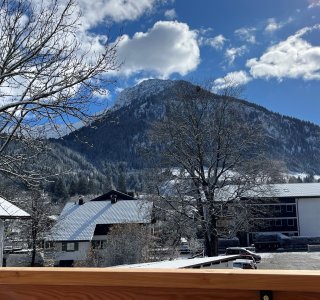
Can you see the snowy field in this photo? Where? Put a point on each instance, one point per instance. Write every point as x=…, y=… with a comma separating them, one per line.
x=290, y=261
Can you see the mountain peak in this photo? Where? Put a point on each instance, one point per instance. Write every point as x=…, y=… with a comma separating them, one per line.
x=295, y=142
x=142, y=90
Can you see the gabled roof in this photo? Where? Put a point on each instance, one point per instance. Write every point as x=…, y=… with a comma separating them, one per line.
x=120, y=196
x=10, y=211
x=78, y=222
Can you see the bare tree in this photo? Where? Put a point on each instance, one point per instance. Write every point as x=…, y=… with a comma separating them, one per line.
x=210, y=158
x=94, y=259
x=47, y=77
x=127, y=244
x=35, y=230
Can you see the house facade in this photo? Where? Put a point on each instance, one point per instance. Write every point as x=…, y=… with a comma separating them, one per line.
x=292, y=209
x=84, y=225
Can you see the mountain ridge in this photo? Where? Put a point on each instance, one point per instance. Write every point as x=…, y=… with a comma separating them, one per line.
x=119, y=135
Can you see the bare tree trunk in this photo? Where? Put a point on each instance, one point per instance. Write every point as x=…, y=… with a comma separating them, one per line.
x=34, y=245
x=211, y=239
x=211, y=245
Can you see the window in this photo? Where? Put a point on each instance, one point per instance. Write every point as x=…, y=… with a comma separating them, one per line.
x=290, y=222
x=70, y=246
x=289, y=208
x=98, y=244
x=277, y=208
x=278, y=223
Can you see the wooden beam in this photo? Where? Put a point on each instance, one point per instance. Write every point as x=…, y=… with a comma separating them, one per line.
x=113, y=283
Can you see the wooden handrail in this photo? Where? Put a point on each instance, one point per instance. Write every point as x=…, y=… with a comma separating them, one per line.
x=113, y=283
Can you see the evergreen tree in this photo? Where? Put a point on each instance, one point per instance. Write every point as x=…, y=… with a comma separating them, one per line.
x=83, y=186
x=73, y=188
x=293, y=179
x=309, y=178
x=108, y=184
x=60, y=190
x=122, y=187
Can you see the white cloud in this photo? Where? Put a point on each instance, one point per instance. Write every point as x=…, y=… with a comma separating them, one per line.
x=168, y=47
x=170, y=14
x=139, y=80
x=97, y=11
x=293, y=58
x=119, y=90
x=235, y=79
x=232, y=53
x=205, y=31
x=94, y=12
x=273, y=25
x=246, y=34
x=216, y=42
x=102, y=94
x=313, y=3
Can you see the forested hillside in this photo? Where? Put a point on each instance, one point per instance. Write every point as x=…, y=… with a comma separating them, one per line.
x=122, y=135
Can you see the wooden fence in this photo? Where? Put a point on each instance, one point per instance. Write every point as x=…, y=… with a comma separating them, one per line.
x=124, y=284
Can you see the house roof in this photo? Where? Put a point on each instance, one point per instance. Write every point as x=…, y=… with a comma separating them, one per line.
x=107, y=196
x=295, y=190
x=10, y=211
x=78, y=222
x=281, y=190
x=182, y=263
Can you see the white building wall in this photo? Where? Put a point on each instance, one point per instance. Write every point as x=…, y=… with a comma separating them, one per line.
x=308, y=212
x=81, y=254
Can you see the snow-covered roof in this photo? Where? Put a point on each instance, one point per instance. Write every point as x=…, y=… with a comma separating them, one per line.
x=78, y=222
x=283, y=190
x=296, y=190
x=10, y=211
x=183, y=263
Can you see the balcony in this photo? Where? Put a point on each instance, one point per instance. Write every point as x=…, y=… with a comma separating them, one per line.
x=113, y=283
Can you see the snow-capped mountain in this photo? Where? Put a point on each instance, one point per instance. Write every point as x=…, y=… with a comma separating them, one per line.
x=142, y=91
x=122, y=133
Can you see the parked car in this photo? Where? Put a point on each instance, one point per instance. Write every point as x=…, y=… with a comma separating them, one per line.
x=244, y=253
x=184, y=246
x=244, y=264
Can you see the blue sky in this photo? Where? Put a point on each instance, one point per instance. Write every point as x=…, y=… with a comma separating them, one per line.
x=271, y=47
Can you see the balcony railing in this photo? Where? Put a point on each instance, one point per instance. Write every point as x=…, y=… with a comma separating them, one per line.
x=111, y=283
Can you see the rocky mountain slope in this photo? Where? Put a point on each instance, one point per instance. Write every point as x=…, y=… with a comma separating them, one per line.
x=120, y=135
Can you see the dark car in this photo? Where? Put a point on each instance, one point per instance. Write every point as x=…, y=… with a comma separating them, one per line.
x=184, y=246
x=244, y=253
x=244, y=264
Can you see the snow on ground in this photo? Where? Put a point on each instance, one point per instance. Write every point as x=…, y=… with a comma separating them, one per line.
x=301, y=175
x=290, y=261
x=266, y=255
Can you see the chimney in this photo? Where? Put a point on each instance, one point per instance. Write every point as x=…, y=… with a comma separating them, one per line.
x=81, y=201
x=113, y=199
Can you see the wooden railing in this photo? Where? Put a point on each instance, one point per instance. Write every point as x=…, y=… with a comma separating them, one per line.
x=124, y=284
